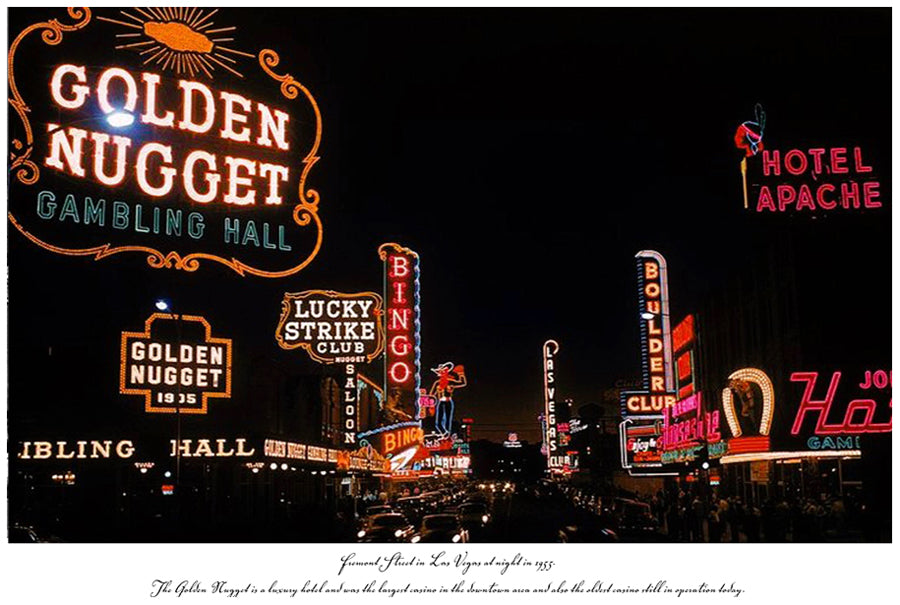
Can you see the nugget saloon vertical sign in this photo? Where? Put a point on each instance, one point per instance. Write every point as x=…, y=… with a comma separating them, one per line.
x=162, y=132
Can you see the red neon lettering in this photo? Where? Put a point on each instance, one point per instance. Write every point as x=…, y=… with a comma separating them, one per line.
x=822, y=407
x=652, y=290
x=807, y=404
x=651, y=270
x=771, y=161
x=788, y=163
x=786, y=195
x=839, y=160
x=653, y=306
x=857, y=161
x=820, y=197
x=850, y=191
x=870, y=194
x=765, y=201
x=805, y=198
x=817, y=159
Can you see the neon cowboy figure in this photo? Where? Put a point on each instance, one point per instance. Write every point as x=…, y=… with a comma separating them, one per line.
x=450, y=377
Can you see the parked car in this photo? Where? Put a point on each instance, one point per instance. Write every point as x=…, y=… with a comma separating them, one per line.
x=386, y=527
x=441, y=528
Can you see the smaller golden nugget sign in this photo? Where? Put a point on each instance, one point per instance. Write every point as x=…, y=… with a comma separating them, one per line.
x=331, y=326
x=176, y=364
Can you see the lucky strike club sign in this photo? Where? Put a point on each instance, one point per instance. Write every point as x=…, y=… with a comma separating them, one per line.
x=332, y=327
x=154, y=131
x=176, y=364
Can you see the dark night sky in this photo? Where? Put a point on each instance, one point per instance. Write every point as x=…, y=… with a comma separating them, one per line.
x=527, y=155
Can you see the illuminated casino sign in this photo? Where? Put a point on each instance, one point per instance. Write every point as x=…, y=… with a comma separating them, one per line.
x=749, y=405
x=807, y=179
x=861, y=415
x=555, y=459
x=687, y=428
x=639, y=445
x=640, y=434
x=176, y=364
x=683, y=339
x=155, y=132
x=332, y=327
x=402, y=346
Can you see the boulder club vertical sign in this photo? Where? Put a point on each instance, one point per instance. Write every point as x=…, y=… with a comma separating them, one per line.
x=643, y=410
x=153, y=131
x=335, y=328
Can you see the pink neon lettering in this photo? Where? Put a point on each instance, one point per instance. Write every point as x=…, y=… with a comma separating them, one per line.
x=871, y=194
x=772, y=163
x=788, y=163
x=839, y=160
x=849, y=191
x=817, y=159
x=857, y=161
x=820, y=197
x=805, y=198
x=786, y=195
x=765, y=201
x=822, y=408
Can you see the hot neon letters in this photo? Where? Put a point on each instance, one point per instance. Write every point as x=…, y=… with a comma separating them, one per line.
x=822, y=408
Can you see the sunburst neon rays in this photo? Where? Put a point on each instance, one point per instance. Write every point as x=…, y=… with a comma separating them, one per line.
x=179, y=39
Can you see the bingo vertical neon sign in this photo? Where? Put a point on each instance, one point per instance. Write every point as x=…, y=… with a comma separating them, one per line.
x=402, y=325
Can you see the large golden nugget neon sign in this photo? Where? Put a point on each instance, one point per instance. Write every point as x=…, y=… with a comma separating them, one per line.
x=152, y=154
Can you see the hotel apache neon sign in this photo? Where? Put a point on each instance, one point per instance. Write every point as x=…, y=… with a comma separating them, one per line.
x=812, y=179
x=176, y=364
x=155, y=152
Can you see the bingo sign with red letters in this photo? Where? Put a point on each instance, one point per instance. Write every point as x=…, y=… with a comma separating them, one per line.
x=164, y=133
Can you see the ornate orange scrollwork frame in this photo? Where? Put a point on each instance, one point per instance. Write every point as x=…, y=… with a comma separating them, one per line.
x=27, y=172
